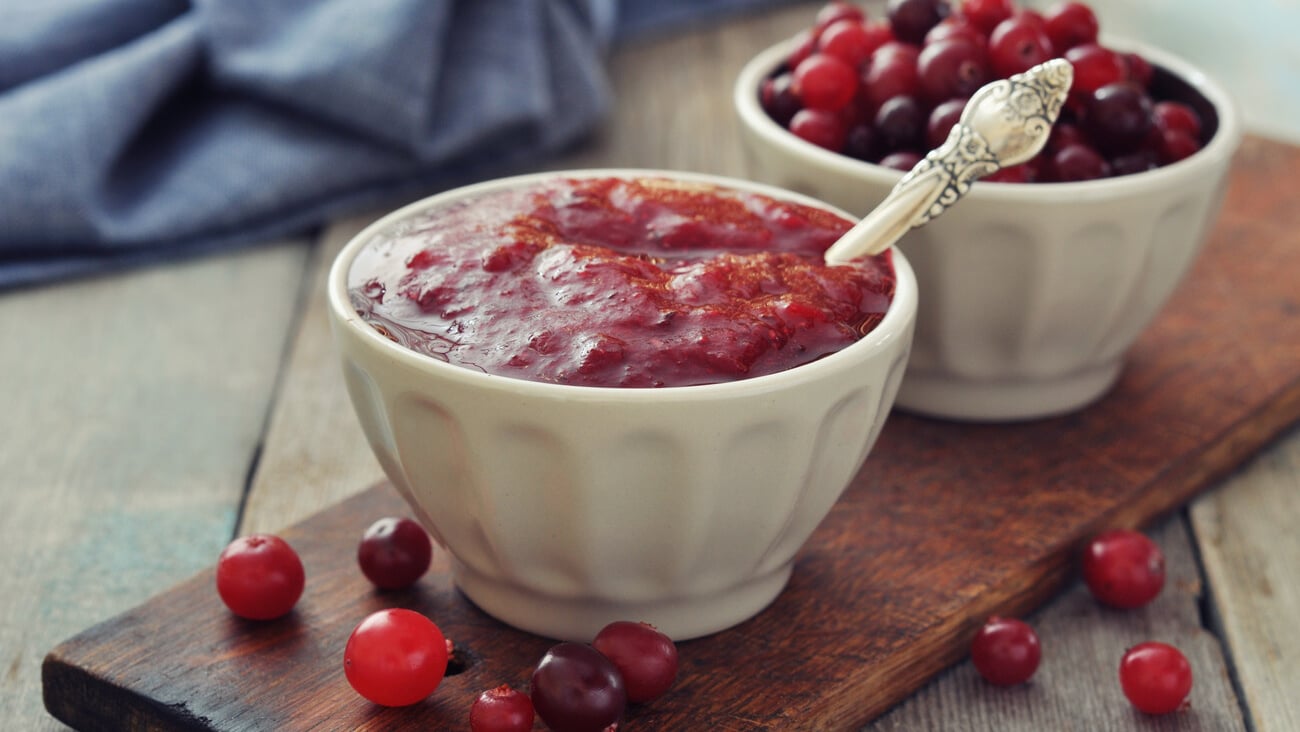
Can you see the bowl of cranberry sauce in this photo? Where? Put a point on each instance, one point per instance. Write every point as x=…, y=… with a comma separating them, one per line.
x=619, y=393
x=1041, y=278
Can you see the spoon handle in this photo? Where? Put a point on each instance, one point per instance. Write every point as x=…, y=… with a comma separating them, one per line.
x=1005, y=123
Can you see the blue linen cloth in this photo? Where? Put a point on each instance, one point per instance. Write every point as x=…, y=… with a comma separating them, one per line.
x=132, y=130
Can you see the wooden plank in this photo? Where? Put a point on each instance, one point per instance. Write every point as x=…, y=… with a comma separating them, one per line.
x=947, y=523
x=314, y=453
x=132, y=407
x=1249, y=545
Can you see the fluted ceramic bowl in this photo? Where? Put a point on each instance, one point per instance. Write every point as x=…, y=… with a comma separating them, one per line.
x=1031, y=293
x=567, y=507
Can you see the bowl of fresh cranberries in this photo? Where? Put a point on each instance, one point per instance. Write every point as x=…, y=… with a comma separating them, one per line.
x=1037, y=282
x=619, y=394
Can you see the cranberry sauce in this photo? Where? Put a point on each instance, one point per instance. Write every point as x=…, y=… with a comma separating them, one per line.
x=615, y=282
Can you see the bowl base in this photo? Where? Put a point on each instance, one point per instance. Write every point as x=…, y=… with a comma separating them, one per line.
x=951, y=397
x=580, y=618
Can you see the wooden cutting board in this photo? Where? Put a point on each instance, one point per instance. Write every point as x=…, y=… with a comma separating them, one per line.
x=946, y=524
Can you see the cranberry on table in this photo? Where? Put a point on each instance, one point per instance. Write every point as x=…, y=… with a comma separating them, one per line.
x=1006, y=651
x=1123, y=568
x=395, y=657
x=645, y=657
x=1156, y=677
x=394, y=553
x=260, y=577
x=502, y=709
x=575, y=688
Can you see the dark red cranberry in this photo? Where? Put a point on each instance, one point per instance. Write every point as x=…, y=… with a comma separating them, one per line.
x=891, y=73
x=1176, y=145
x=951, y=68
x=941, y=120
x=900, y=124
x=1140, y=161
x=1118, y=118
x=778, y=99
x=912, y=19
x=1070, y=24
x=645, y=657
x=1006, y=651
x=1018, y=44
x=860, y=142
x=1064, y=133
x=574, y=687
x=1022, y=173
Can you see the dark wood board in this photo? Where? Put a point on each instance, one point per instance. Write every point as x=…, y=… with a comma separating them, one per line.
x=946, y=524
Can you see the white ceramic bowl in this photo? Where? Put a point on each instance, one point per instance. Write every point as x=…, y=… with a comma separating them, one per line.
x=567, y=507
x=1030, y=293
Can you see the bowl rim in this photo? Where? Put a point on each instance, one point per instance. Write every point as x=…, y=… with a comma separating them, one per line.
x=892, y=327
x=1226, y=138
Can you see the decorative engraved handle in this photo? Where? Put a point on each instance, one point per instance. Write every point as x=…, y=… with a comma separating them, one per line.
x=1005, y=123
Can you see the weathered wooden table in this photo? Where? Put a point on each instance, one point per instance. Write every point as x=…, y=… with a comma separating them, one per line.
x=151, y=416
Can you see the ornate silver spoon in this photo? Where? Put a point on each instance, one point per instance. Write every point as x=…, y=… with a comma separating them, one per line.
x=1005, y=123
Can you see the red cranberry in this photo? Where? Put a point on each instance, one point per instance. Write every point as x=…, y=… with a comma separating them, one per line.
x=1169, y=115
x=986, y=14
x=1070, y=24
x=824, y=82
x=835, y=11
x=502, y=709
x=1094, y=67
x=891, y=73
x=1006, y=651
x=951, y=68
x=1139, y=70
x=1077, y=162
x=1156, y=677
x=1023, y=173
x=805, y=43
x=849, y=41
x=1124, y=568
x=1176, y=145
x=1018, y=44
x=646, y=658
x=819, y=127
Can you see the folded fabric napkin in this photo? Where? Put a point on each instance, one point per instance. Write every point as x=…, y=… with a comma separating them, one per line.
x=132, y=130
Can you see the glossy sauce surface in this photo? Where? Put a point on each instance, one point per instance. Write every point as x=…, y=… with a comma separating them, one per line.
x=619, y=282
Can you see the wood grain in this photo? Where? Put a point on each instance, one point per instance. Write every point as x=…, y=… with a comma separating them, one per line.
x=132, y=406
x=946, y=524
